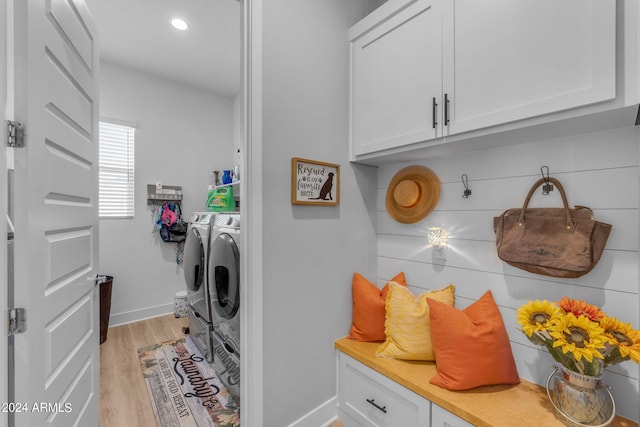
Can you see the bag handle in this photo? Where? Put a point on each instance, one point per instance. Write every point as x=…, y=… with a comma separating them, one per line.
x=569, y=224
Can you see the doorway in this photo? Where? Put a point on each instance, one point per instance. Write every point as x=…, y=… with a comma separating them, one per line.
x=248, y=125
x=191, y=79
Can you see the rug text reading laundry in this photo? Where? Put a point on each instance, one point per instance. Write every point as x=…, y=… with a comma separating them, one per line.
x=201, y=386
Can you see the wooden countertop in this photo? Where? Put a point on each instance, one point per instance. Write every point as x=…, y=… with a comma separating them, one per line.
x=522, y=405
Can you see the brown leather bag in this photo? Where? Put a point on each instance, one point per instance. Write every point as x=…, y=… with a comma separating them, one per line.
x=558, y=242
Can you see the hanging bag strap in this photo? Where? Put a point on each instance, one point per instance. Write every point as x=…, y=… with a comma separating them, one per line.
x=569, y=224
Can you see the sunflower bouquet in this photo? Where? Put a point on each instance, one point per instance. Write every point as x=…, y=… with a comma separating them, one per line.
x=578, y=335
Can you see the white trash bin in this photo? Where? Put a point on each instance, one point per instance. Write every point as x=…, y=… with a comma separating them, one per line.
x=180, y=309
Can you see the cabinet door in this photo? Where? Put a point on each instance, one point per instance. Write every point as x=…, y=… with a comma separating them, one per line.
x=517, y=59
x=443, y=418
x=396, y=71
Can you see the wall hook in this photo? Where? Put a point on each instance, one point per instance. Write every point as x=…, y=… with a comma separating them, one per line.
x=547, y=185
x=465, y=182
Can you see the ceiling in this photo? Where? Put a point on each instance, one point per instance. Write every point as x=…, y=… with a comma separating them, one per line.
x=138, y=34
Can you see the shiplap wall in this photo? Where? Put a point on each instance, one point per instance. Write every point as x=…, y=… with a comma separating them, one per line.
x=598, y=170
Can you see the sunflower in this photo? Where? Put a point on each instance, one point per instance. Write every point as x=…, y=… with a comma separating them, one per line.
x=579, y=336
x=578, y=307
x=536, y=316
x=622, y=336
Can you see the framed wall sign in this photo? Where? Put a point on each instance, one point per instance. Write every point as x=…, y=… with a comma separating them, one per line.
x=314, y=183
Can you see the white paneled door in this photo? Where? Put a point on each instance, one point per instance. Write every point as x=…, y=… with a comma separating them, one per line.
x=54, y=94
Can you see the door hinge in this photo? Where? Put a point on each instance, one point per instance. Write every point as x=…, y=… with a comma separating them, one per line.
x=17, y=320
x=15, y=134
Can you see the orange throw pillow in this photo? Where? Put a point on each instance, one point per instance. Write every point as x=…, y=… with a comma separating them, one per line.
x=369, y=308
x=472, y=346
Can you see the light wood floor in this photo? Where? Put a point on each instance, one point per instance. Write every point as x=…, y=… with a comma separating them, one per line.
x=124, y=400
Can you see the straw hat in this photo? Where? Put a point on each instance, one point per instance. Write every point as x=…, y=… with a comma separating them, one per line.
x=412, y=194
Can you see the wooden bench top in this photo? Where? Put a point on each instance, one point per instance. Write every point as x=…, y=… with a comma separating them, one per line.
x=522, y=405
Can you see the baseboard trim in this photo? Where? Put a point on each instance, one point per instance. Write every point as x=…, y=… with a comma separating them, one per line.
x=322, y=416
x=118, y=319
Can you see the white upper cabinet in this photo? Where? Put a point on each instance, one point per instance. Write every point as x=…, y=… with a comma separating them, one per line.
x=396, y=73
x=426, y=69
x=512, y=59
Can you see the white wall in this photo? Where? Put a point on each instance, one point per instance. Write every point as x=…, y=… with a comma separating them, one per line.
x=310, y=253
x=182, y=134
x=598, y=170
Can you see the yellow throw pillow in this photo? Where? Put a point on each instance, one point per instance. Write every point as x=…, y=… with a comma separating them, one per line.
x=407, y=323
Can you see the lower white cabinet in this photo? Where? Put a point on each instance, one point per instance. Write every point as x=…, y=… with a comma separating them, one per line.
x=443, y=418
x=371, y=399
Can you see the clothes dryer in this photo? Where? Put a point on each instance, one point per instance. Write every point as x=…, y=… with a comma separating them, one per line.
x=224, y=275
x=196, y=254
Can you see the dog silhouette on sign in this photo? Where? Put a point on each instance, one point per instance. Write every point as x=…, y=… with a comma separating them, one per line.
x=326, y=189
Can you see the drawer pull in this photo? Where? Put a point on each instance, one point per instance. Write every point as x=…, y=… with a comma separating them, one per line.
x=373, y=402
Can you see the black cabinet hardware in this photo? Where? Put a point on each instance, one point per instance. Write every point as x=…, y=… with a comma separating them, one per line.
x=373, y=402
x=435, y=105
x=446, y=109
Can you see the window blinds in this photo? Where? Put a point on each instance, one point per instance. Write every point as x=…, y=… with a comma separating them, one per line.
x=116, y=173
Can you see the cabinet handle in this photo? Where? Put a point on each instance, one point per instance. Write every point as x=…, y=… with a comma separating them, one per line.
x=446, y=109
x=373, y=402
x=435, y=105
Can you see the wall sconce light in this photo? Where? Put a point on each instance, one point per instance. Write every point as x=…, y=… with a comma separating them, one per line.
x=437, y=238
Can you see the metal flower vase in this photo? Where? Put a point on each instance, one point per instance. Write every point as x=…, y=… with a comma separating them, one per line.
x=580, y=400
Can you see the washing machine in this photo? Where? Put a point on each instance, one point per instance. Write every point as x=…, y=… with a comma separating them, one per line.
x=224, y=291
x=223, y=271
x=196, y=254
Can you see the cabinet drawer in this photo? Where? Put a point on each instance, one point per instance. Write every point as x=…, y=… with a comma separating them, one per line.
x=374, y=400
x=443, y=418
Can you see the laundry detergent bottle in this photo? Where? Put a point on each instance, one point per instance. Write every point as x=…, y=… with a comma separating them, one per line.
x=220, y=199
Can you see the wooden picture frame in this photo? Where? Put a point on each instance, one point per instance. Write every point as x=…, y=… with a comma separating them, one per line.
x=314, y=182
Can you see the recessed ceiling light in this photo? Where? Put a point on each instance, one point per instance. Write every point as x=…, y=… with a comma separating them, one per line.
x=179, y=24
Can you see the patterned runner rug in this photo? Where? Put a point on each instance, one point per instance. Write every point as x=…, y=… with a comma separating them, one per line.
x=184, y=388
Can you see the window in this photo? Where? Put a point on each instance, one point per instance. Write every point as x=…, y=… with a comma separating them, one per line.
x=116, y=147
